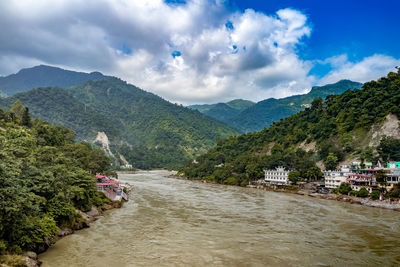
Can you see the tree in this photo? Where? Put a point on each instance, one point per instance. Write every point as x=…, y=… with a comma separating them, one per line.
x=389, y=148
x=294, y=176
x=26, y=119
x=344, y=188
x=18, y=109
x=331, y=162
x=363, y=192
x=381, y=178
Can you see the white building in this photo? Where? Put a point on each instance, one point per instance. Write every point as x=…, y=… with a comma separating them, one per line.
x=333, y=179
x=278, y=176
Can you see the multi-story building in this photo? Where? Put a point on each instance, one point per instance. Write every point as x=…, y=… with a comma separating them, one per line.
x=333, y=179
x=277, y=176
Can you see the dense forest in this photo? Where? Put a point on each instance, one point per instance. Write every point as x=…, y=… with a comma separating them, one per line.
x=45, y=177
x=246, y=116
x=333, y=127
x=147, y=130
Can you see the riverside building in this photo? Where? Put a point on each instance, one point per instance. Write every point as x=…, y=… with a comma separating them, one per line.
x=277, y=176
x=333, y=179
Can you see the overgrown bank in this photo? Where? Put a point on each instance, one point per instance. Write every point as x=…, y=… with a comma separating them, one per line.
x=46, y=181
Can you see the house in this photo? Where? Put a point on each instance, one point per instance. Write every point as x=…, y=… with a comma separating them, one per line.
x=362, y=179
x=333, y=179
x=277, y=176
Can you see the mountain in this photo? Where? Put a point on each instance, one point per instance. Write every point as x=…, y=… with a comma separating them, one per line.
x=41, y=76
x=224, y=111
x=60, y=107
x=131, y=124
x=356, y=125
x=264, y=113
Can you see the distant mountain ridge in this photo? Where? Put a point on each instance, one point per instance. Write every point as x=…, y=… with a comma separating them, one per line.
x=262, y=114
x=147, y=130
x=224, y=111
x=42, y=76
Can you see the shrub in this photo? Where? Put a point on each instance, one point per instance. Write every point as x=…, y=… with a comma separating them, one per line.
x=363, y=192
x=395, y=193
x=231, y=181
x=375, y=194
x=353, y=193
x=344, y=188
x=3, y=247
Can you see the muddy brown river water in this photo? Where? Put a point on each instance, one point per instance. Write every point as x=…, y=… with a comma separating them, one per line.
x=170, y=222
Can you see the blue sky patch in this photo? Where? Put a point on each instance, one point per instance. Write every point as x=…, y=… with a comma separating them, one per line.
x=176, y=54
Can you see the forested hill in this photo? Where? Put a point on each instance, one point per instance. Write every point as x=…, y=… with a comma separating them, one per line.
x=157, y=132
x=42, y=76
x=61, y=107
x=142, y=127
x=224, y=111
x=264, y=113
x=349, y=126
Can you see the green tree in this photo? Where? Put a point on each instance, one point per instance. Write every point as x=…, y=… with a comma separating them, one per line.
x=26, y=119
x=331, y=162
x=362, y=192
x=18, y=109
x=381, y=178
x=344, y=188
x=294, y=176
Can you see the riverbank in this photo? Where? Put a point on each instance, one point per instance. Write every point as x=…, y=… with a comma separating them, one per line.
x=383, y=204
x=30, y=258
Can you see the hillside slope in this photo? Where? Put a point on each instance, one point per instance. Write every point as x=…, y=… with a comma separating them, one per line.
x=339, y=128
x=224, y=111
x=59, y=107
x=147, y=130
x=264, y=113
x=42, y=76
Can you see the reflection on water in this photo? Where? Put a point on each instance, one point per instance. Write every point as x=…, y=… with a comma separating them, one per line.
x=171, y=222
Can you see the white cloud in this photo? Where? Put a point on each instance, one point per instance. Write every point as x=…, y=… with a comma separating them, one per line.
x=222, y=54
x=256, y=58
x=370, y=68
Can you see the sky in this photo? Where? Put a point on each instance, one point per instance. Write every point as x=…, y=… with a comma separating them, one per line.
x=204, y=51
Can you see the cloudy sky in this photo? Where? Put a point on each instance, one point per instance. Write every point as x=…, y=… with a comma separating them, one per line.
x=203, y=51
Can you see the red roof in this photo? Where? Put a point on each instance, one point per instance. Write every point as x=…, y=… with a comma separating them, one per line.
x=100, y=176
x=115, y=182
x=102, y=183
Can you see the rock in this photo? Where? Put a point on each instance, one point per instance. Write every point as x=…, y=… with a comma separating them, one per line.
x=64, y=231
x=31, y=255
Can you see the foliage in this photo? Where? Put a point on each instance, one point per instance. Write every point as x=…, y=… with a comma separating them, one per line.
x=394, y=193
x=330, y=124
x=362, y=192
x=224, y=112
x=381, y=178
x=264, y=113
x=147, y=130
x=331, y=162
x=344, y=188
x=44, y=178
x=293, y=176
x=389, y=149
x=375, y=194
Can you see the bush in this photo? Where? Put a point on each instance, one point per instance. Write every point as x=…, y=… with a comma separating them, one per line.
x=395, y=193
x=231, y=181
x=3, y=247
x=375, y=194
x=363, y=192
x=353, y=193
x=344, y=188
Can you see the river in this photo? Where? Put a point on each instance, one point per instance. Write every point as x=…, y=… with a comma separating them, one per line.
x=171, y=222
